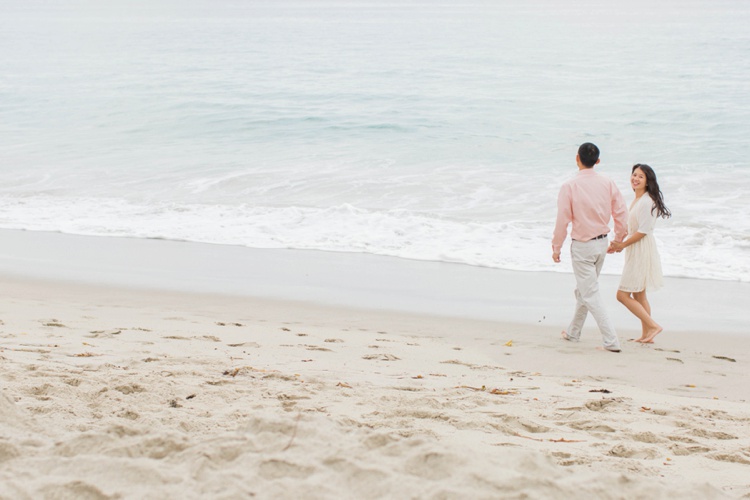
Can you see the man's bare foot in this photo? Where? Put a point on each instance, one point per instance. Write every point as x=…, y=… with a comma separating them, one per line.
x=600, y=348
x=564, y=335
x=652, y=334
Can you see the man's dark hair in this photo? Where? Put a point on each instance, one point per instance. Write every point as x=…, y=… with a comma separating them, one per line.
x=588, y=153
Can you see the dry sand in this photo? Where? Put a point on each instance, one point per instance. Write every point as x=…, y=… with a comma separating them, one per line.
x=117, y=392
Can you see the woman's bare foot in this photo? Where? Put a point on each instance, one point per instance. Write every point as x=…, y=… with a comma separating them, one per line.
x=652, y=335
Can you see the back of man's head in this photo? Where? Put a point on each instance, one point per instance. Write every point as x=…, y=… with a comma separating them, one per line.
x=589, y=154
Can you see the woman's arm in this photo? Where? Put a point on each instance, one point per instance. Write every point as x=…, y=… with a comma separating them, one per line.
x=635, y=238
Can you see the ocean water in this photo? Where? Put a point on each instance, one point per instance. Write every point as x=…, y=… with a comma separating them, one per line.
x=436, y=130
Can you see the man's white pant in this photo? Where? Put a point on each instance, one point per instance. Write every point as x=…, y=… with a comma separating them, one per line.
x=588, y=258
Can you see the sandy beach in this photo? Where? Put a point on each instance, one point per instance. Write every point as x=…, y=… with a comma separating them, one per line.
x=155, y=369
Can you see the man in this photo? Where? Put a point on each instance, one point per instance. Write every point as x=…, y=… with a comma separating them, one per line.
x=588, y=201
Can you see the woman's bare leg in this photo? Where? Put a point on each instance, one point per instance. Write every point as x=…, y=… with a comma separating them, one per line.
x=644, y=327
x=650, y=328
x=643, y=300
x=641, y=297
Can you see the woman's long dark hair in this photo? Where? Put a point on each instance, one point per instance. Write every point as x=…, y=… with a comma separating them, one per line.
x=652, y=188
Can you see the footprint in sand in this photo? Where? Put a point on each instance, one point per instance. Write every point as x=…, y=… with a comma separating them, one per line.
x=712, y=434
x=624, y=451
x=731, y=457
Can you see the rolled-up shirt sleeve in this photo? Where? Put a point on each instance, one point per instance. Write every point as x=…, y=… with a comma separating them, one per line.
x=564, y=218
x=619, y=214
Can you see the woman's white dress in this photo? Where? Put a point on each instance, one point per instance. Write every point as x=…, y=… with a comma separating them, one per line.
x=642, y=268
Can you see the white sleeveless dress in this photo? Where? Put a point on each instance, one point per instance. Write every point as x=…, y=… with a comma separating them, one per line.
x=642, y=268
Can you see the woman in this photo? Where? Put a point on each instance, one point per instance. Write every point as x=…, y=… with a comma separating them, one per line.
x=642, y=264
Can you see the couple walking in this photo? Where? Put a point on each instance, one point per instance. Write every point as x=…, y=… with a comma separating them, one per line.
x=588, y=201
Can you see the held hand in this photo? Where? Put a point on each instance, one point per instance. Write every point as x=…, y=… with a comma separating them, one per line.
x=615, y=246
x=556, y=256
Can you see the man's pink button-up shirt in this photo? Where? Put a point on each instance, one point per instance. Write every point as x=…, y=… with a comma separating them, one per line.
x=588, y=200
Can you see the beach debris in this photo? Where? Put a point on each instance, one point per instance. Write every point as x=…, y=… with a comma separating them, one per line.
x=692, y=386
x=174, y=404
x=294, y=432
x=509, y=343
x=503, y=392
x=285, y=329
x=732, y=360
x=383, y=357
x=231, y=373
x=676, y=359
x=500, y=392
x=317, y=348
x=605, y=391
x=483, y=388
x=344, y=385
x=301, y=335
x=418, y=376
x=97, y=333
x=85, y=355
x=191, y=396
x=55, y=323
x=333, y=340
x=560, y=440
x=307, y=360
x=245, y=344
x=645, y=408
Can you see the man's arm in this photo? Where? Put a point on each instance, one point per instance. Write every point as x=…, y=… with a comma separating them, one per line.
x=564, y=218
x=619, y=214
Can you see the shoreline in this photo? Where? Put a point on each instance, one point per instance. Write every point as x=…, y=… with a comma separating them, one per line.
x=357, y=280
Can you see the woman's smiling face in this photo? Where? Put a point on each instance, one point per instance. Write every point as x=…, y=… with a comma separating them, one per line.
x=638, y=180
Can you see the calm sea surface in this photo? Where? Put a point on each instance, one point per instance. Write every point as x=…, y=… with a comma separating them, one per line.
x=436, y=130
